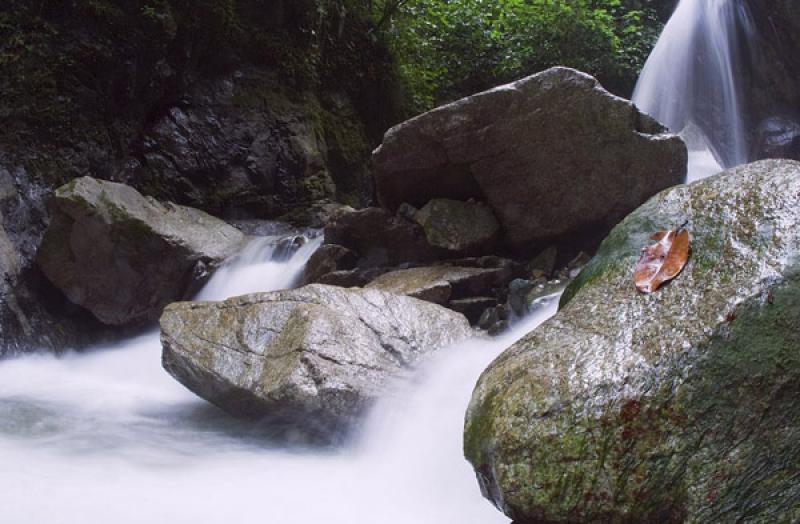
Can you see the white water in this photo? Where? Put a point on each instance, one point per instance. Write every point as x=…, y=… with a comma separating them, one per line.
x=690, y=82
x=108, y=437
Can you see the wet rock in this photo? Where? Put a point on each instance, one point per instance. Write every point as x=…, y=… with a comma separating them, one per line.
x=473, y=308
x=358, y=277
x=554, y=155
x=460, y=227
x=778, y=138
x=310, y=360
x=381, y=238
x=123, y=256
x=679, y=406
x=544, y=264
x=34, y=315
x=328, y=259
x=238, y=147
x=440, y=284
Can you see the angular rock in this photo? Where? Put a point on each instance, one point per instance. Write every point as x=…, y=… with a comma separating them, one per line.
x=381, y=238
x=440, y=284
x=554, y=155
x=123, y=256
x=327, y=259
x=351, y=277
x=473, y=308
x=678, y=406
x=310, y=359
x=464, y=228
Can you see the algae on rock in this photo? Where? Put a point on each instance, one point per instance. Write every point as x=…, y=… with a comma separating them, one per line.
x=671, y=407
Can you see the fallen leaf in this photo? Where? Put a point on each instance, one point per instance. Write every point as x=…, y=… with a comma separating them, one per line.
x=662, y=261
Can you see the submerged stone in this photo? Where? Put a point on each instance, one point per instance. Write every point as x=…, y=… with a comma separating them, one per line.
x=678, y=406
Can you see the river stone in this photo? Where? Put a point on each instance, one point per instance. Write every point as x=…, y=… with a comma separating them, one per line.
x=554, y=155
x=461, y=227
x=123, y=256
x=679, y=406
x=439, y=284
x=310, y=359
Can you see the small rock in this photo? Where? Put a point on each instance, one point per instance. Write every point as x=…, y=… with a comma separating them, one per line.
x=473, y=308
x=460, y=227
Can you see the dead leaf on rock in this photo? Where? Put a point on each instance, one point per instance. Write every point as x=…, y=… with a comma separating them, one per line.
x=662, y=261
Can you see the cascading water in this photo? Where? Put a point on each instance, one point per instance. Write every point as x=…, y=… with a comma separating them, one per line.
x=108, y=436
x=691, y=82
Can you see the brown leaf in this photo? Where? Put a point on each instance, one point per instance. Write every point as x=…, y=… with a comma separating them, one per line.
x=662, y=261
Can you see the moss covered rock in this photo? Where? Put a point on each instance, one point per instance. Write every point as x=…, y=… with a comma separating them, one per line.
x=309, y=360
x=670, y=407
x=123, y=256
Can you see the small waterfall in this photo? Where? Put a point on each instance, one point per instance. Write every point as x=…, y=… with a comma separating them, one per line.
x=108, y=436
x=691, y=82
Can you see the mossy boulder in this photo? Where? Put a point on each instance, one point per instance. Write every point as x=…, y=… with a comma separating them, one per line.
x=678, y=406
x=123, y=256
x=309, y=360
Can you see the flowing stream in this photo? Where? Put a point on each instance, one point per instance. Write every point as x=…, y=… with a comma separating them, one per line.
x=108, y=437
x=690, y=82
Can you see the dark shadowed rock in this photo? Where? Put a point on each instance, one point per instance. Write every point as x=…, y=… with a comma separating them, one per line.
x=310, y=359
x=123, y=256
x=463, y=228
x=678, y=406
x=381, y=238
x=554, y=155
x=328, y=259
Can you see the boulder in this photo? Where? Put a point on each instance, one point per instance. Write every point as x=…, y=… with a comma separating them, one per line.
x=678, y=406
x=309, y=360
x=123, y=256
x=555, y=156
x=463, y=228
x=440, y=284
x=381, y=238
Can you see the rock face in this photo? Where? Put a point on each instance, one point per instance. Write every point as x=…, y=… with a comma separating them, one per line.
x=34, y=315
x=311, y=359
x=772, y=79
x=123, y=256
x=553, y=155
x=237, y=147
x=464, y=228
x=680, y=406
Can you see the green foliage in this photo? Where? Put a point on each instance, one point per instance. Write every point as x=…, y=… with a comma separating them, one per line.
x=450, y=48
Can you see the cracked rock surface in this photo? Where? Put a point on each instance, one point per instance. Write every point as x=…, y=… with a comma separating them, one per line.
x=309, y=359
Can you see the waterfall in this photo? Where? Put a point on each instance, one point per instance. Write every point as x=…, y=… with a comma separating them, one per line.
x=691, y=82
x=108, y=436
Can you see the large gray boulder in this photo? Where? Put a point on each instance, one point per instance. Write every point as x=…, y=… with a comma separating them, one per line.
x=310, y=359
x=554, y=155
x=679, y=406
x=123, y=256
